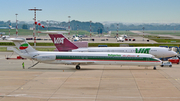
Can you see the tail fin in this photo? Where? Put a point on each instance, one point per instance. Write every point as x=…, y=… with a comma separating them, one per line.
x=22, y=45
x=62, y=43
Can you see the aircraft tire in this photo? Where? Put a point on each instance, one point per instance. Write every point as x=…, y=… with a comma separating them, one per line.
x=78, y=67
x=170, y=65
x=154, y=68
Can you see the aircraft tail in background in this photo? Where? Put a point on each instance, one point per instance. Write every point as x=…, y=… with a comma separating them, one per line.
x=62, y=43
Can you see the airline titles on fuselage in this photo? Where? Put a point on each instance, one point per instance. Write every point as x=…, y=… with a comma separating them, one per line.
x=117, y=55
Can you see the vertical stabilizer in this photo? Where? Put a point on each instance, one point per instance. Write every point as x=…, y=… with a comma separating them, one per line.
x=22, y=45
x=62, y=43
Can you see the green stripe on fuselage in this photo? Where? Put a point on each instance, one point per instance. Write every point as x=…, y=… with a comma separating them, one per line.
x=106, y=58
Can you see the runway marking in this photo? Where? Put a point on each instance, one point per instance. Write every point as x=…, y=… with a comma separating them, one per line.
x=60, y=86
x=100, y=79
x=68, y=97
x=55, y=78
x=14, y=95
x=137, y=87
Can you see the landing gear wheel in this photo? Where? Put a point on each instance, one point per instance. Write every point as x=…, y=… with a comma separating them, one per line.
x=78, y=67
x=154, y=68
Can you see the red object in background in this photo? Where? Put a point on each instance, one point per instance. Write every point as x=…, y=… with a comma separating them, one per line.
x=126, y=39
x=174, y=60
x=19, y=57
x=37, y=23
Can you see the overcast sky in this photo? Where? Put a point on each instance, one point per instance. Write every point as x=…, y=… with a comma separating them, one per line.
x=126, y=11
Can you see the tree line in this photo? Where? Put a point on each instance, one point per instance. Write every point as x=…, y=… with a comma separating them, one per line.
x=95, y=26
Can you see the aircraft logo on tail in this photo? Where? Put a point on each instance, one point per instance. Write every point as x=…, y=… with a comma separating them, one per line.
x=59, y=41
x=23, y=46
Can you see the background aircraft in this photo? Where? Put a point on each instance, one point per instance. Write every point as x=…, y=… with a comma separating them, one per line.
x=66, y=45
x=121, y=39
x=75, y=38
x=109, y=34
x=4, y=37
x=77, y=58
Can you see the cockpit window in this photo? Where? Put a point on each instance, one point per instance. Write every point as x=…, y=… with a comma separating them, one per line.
x=153, y=57
x=173, y=49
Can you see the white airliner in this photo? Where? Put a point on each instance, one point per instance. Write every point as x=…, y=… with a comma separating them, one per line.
x=75, y=38
x=121, y=39
x=4, y=37
x=124, y=36
x=80, y=58
x=109, y=34
x=63, y=44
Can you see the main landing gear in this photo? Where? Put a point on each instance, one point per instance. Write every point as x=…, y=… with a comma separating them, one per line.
x=78, y=67
x=154, y=68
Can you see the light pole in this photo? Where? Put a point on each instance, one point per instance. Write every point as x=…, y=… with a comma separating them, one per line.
x=117, y=31
x=47, y=25
x=143, y=29
x=69, y=25
x=9, y=26
x=77, y=29
x=34, y=29
x=90, y=29
x=16, y=26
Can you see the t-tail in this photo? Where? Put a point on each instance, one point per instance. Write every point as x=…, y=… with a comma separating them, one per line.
x=23, y=48
x=62, y=43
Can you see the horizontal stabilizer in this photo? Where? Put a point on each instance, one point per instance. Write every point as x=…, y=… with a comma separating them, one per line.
x=53, y=32
x=16, y=51
x=17, y=39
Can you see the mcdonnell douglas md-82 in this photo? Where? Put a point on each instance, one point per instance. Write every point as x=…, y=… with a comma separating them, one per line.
x=63, y=44
x=80, y=58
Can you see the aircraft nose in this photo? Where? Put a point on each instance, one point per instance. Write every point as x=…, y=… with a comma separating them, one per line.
x=174, y=53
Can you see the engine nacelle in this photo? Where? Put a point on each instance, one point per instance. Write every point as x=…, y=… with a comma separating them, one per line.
x=45, y=58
